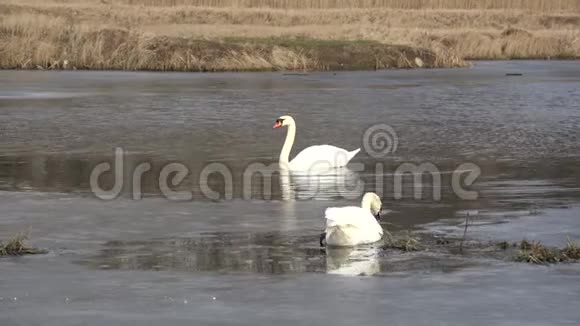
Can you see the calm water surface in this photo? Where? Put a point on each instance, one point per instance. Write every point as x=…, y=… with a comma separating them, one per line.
x=254, y=258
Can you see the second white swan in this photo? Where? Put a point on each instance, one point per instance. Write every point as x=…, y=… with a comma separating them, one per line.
x=351, y=225
x=313, y=157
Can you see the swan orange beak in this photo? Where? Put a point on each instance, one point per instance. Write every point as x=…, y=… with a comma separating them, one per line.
x=278, y=124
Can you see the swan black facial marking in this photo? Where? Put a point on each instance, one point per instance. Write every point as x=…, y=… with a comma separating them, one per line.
x=378, y=216
x=322, y=239
x=279, y=121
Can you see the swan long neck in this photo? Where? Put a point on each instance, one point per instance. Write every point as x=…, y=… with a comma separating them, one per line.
x=372, y=202
x=366, y=203
x=285, y=153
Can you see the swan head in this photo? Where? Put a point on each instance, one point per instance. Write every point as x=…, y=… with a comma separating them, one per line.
x=283, y=121
x=372, y=202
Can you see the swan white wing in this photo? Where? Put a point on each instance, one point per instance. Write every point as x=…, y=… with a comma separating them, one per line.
x=349, y=226
x=322, y=157
x=349, y=215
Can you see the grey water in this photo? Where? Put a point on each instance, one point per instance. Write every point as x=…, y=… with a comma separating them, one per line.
x=250, y=256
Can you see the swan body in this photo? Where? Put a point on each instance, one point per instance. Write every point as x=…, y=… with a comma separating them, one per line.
x=319, y=157
x=351, y=226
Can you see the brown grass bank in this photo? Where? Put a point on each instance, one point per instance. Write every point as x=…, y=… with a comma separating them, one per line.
x=223, y=35
x=119, y=49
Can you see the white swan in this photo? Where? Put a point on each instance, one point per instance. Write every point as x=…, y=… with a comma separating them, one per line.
x=351, y=226
x=317, y=157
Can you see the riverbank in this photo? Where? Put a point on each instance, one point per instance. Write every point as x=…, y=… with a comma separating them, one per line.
x=191, y=35
x=115, y=49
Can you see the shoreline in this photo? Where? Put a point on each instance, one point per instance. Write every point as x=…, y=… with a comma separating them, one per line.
x=125, y=51
x=468, y=64
x=465, y=64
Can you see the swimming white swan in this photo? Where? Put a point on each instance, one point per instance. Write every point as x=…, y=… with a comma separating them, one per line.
x=313, y=157
x=351, y=226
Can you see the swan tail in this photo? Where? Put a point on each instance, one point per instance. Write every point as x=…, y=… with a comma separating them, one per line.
x=351, y=154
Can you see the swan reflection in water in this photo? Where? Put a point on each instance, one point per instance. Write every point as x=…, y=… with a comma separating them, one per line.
x=320, y=185
x=353, y=261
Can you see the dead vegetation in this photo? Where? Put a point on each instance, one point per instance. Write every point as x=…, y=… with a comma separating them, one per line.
x=572, y=250
x=17, y=246
x=543, y=5
x=407, y=242
x=122, y=50
x=218, y=35
x=42, y=42
x=535, y=252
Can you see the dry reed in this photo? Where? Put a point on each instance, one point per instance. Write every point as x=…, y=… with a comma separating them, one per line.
x=210, y=35
x=16, y=246
x=537, y=253
x=532, y=5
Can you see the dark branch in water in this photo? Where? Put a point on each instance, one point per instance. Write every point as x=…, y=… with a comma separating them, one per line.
x=464, y=233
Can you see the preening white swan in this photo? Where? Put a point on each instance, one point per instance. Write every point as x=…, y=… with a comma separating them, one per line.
x=351, y=226
x=313, y=157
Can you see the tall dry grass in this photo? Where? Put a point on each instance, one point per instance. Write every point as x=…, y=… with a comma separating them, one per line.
x=41, y=41
x=531, y=5
x=196, y=34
